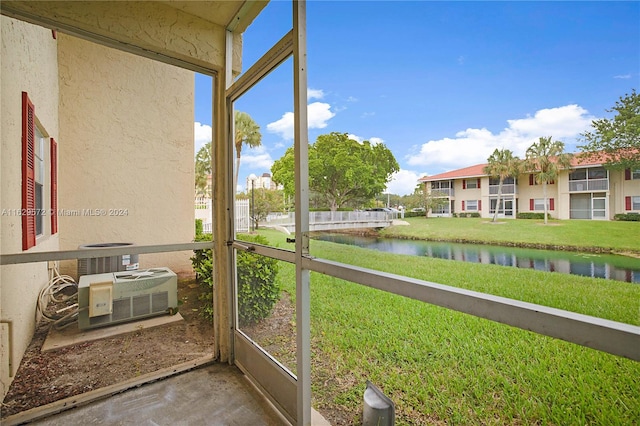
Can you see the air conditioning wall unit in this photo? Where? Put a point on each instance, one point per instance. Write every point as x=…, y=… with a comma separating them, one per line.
x=119, y=297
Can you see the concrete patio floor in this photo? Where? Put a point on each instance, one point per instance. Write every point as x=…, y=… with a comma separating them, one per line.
x=217, y=394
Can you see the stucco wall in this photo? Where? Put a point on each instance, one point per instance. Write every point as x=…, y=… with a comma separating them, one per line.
x=29, y=63
x=127, y=124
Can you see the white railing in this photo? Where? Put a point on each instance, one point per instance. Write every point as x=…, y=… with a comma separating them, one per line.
x=203, y=211
x=507, y=188
x=330, y=217
x=589, y=185
x=442, y=192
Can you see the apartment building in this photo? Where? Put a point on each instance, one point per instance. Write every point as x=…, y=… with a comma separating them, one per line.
x=585, y=191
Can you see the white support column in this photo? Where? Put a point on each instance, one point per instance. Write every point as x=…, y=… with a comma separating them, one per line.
x=301, y=149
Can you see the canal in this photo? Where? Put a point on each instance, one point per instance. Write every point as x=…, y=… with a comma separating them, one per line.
x=615, y=267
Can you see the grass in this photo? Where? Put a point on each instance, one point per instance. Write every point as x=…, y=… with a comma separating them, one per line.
x=608, y=235
x=445, y=367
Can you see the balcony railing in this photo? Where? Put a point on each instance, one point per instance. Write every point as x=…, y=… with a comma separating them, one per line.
x=507, y=188
x=588, y=185
x=442, y=192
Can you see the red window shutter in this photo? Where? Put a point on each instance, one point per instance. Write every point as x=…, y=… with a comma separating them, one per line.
x=552, y=182
x=478, y=183
x=54, y=186
x=531, y=204
x=627, y=174
x=530, y=180
x=464, y=184
x=627, y=203
x=28, y=173
x=551, y=204
x=479, y=204
x=463, y=203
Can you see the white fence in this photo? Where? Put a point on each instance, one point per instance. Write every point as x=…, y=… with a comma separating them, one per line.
x=203, y=211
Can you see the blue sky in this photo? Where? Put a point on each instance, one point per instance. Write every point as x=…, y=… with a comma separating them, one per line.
x=441, y=84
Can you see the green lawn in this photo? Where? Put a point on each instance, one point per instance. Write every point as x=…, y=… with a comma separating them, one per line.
x=444, y=367
x=617, y=236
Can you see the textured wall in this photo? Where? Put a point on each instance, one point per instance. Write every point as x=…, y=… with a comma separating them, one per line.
x=29, y=63
x=127, y=126
x=153, y=26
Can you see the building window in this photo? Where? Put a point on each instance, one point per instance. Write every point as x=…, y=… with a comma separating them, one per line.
x=39, y=154
x=537, y=204
x=510, y=180
x=632, y=203
x=472, y=205
x=442, y=208
x=471, y=184
x=635, y=174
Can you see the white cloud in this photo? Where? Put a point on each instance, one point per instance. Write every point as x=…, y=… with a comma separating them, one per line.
x=372, y=140
x=318, y=115
x=403, y=182
x=201, y=135
x=315, y=94
x=473, y=146
x=255, y=158
x=623, y=76
x=355, y=137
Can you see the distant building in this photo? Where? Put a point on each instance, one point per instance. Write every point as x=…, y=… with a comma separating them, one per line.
x=264, y=181
x=586, y=191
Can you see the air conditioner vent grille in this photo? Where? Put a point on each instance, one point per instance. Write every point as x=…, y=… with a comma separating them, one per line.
x=160, y=302
x=121, y=309
x=141, y=305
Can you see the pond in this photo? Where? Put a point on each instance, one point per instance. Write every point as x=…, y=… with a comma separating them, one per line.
x=621, y=268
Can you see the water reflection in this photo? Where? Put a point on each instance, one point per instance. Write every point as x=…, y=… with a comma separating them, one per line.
x=614, y=267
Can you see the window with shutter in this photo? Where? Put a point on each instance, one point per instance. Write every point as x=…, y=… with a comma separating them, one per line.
x=28, y=173
x=38, y=151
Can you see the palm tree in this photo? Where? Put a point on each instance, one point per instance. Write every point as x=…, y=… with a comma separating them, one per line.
x=544, y=159
x=247, y=132
x=203, y=169
x=502, y=164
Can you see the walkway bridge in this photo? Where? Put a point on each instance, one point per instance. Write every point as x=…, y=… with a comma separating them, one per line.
x=327, y=220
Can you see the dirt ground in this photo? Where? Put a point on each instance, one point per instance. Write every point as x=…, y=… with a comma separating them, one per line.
x=46, y=377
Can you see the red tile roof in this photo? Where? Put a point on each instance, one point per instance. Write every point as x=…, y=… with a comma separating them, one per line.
x=471, y=171
x=476, y=170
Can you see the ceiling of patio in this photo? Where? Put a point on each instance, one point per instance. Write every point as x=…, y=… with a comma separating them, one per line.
x=190, y=33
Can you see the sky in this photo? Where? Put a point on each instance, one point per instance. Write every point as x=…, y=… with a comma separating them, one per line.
x=441, y=84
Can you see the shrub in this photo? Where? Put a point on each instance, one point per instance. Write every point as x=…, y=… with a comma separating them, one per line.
x=257, y=287
x=258, y=290
x=202, y=262
x=531, y=215
x=627, y=217
x=199, y=227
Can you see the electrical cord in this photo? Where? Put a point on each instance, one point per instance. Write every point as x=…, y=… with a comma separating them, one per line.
x=55, y=306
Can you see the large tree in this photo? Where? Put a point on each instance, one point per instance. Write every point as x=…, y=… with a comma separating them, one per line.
x=618, y=137
x=545, y=159
x=247, y=132
x=501, y=165
x=340, y=169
